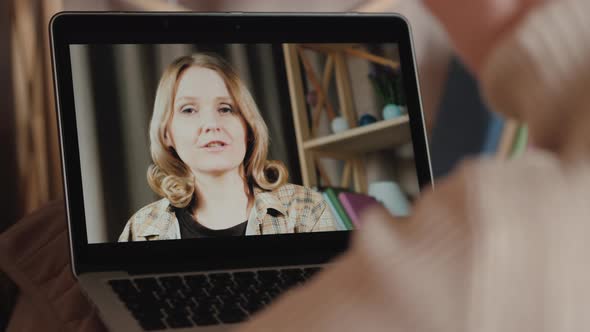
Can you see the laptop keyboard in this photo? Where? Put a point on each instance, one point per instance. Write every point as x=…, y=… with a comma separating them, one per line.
x=182, y=301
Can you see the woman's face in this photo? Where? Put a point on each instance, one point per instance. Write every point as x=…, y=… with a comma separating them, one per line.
x=206, y=130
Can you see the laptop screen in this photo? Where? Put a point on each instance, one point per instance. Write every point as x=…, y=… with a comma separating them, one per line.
x=185, y=141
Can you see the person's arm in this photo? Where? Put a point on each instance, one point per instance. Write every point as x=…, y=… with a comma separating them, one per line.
x=475, y=27
x=540, y=74
x=532, y=60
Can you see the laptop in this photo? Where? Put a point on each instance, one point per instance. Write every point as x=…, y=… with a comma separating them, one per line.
x=204, y=154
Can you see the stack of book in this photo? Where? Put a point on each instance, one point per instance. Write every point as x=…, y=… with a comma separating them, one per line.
x=347, y=207
x=505, y=138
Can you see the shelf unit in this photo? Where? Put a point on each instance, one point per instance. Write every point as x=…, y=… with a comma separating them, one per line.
x=374, y=137
x=350, y=145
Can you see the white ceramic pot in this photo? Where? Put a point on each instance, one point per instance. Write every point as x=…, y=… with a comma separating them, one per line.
x=339, y=124
x=390, y=194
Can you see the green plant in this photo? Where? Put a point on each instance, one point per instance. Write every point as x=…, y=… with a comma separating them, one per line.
x=388, y=84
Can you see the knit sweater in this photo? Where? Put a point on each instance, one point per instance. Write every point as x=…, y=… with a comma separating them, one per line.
x=498, y=246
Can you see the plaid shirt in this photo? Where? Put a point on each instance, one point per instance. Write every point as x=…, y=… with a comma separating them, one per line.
x=288, y=209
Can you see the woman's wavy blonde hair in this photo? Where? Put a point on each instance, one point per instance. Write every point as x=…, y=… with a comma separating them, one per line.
x=169, y=176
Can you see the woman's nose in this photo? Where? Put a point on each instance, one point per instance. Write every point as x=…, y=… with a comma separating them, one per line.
x=211, y=122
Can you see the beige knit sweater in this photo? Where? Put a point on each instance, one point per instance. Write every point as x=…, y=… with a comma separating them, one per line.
x=499, y=246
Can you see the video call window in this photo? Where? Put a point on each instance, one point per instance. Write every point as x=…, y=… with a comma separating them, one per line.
x=191, y=141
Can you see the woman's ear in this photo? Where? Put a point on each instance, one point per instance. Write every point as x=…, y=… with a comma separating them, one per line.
x=168, y=141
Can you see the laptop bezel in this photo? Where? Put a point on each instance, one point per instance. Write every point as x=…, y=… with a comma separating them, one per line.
x=153, y=28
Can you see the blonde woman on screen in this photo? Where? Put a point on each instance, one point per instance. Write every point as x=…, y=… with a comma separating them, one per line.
x=209, y=146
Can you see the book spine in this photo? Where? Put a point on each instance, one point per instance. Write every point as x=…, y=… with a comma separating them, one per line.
x=493, y=134
x=335, y=215
x=520, y=142
x=507, y=139
x=339, y=208
x=354, y=217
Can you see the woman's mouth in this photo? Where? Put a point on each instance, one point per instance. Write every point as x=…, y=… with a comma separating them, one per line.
x=215, y=146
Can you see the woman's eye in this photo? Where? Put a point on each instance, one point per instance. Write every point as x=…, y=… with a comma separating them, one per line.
x=226, y=109
x=188, y=110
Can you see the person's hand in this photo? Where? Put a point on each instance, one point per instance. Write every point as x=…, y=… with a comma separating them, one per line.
x=497, y=247
x=475, y=26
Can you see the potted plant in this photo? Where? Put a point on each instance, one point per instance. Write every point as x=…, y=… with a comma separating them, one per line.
x=388, y=85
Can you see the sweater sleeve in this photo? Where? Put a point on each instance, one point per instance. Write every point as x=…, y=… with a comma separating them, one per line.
x=540, y=74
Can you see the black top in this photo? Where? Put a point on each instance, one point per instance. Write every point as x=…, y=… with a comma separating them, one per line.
x=190, y=228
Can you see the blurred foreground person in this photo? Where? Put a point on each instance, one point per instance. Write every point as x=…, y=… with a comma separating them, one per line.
x=500, y=245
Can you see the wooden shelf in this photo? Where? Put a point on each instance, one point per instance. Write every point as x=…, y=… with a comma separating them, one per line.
x=374, y=137
x=350, y=145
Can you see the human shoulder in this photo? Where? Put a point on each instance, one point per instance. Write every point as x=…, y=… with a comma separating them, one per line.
x=155, y=220
x=154, y=210
x=289, y=193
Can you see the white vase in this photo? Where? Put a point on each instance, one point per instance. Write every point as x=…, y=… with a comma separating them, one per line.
x=339, y=124
x=390, y=194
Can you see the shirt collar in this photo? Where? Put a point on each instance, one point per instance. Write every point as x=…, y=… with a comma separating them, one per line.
x=163, y=214
x=265, y=200
x=158, y=220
